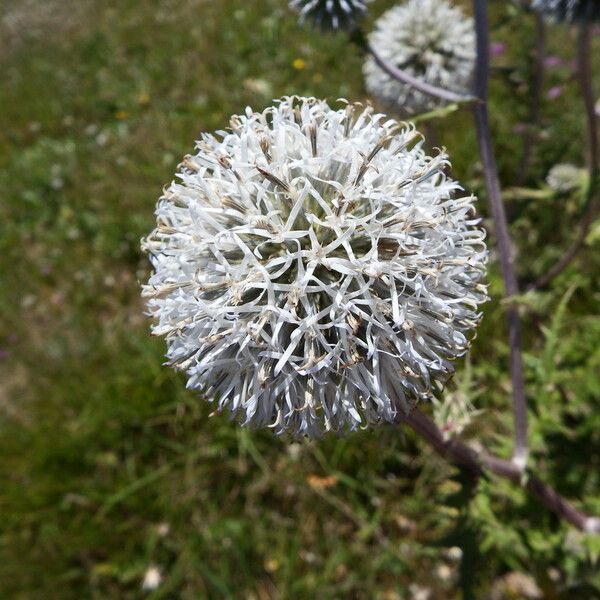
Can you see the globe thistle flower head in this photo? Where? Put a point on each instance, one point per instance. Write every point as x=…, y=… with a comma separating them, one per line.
x=571, y=11
x=331, y=14
x=431, y=40
x=314, y=269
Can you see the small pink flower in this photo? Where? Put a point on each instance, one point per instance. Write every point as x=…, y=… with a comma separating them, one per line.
x=57, y=297
x=555, y=91
x=553, y=61
x=497, y=48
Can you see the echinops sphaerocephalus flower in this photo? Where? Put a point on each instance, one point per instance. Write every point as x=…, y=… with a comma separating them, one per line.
x=431, y=40
x=331, y=14
x=314, y=269
x=571, y=11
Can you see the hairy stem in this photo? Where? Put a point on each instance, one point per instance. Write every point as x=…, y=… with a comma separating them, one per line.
x=488, y=160
x=478, y=463
x=584, y=52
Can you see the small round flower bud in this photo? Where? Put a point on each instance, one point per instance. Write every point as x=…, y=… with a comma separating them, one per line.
x=571, y=11
x=428, y=39
x=331, y=14
x=314, y=269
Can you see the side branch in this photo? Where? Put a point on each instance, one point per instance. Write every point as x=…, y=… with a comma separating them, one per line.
x=421, y=86
x=478, y=463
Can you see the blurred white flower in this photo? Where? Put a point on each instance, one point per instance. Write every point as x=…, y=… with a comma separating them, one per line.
x=331, y=14
x=565, y=177
x=516, y=585
x=444, y=572
x=152, y=578
x=428, y=39
x=314, y=269
x=418, y=592
x=569, y=10
x=454, y=553
x=294, y=451
x=258, y=86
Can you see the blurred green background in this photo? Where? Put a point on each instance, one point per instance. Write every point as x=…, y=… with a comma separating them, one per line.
x=112, y=476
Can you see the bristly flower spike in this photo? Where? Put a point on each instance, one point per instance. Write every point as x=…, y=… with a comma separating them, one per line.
x=571, y=11
x=431, y=40
x=331, y=14
x=314, y=269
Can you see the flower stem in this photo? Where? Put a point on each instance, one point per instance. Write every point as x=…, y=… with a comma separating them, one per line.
x=479, y=462
x=584, y=52
x=422, y=86
x=480, y=111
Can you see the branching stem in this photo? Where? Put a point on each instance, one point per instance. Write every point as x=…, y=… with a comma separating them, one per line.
x=478, y=463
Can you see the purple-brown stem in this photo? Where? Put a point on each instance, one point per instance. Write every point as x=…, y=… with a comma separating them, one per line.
x=584, y=71
x=488, y=160
x=478, y=463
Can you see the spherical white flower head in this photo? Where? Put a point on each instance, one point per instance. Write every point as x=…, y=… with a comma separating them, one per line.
x=565, y=177
x=429, y=39
x=569, y=10
x=313, y=269
x=331, y=14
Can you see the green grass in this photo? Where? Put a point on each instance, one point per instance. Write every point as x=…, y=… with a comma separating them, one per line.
x=109, y=466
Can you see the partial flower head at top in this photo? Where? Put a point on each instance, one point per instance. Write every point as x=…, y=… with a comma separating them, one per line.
x=428, y=39
x=331, y=14
x=572, y=11
x=314, y=269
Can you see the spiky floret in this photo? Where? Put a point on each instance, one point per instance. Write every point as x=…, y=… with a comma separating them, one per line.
x=429, y=39
x=331, y=14
x=313, y=269
x=569, y=10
